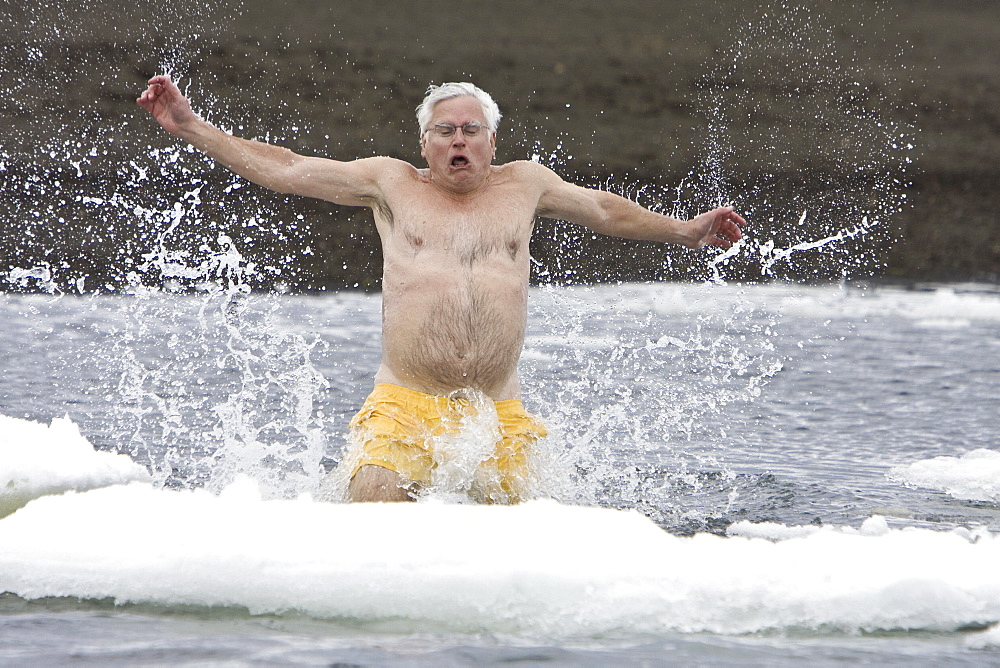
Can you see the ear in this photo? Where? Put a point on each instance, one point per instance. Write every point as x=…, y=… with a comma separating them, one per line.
x=423, y=146
x=493, y=143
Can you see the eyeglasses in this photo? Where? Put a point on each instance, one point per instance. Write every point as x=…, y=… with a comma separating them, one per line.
x=446, y=130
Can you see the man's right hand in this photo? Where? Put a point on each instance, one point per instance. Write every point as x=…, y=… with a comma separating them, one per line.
x=164, y=100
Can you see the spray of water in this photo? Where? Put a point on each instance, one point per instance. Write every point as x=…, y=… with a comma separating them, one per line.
x=822, y=192
x=638, y=404
x=231, y=395
x=819, y=196
x=154, y=222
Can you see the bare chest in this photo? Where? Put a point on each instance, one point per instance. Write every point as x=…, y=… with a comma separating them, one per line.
x=493, y=225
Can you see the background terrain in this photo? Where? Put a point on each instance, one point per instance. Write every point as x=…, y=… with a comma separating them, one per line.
x=889, y=109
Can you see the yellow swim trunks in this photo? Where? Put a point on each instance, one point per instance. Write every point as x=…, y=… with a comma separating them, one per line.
x=451, y=443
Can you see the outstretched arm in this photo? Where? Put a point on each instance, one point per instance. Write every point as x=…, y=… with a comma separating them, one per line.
x=350, y=183
x=611, y=214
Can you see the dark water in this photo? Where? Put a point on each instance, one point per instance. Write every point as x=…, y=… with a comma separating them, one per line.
x=700, y=405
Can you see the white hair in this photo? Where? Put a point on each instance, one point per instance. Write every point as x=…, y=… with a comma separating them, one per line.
x=448, y=91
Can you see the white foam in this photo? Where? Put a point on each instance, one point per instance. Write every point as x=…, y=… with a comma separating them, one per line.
x=973, y=476
x=770, y=530
x=539, y=568
x=988, y=639
x=38, y=459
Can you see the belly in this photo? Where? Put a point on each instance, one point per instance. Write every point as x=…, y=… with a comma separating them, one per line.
x=448, y=327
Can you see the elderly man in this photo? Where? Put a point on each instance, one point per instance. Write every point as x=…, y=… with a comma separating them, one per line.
x=455, y=239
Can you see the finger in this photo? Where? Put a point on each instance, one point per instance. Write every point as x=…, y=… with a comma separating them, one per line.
x=733, y=231
x=150, y=96
x=719, y=238
x=730, y=232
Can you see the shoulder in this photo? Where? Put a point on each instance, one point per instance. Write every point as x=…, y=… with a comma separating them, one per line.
x=386, y=174
x=361, y=182
x=382, y=166
x=553, y=197
x=362, y=170
x=529, y=169
x=530, y=175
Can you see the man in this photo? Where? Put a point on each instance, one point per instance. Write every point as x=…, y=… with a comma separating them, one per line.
x=455, y=239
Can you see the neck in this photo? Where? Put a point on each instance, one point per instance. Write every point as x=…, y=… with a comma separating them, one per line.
x=462, y=190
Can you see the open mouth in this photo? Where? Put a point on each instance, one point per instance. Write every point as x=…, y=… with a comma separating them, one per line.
x=459, y=161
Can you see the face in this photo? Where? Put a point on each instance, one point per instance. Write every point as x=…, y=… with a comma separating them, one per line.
x=460, y=161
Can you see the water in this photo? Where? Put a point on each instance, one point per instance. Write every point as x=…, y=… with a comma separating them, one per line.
x=802, y=454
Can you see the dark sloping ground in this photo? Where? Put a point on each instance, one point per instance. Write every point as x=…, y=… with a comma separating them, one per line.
x=798, y=106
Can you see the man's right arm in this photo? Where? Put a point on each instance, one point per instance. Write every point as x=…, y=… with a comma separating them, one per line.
x=352, y=183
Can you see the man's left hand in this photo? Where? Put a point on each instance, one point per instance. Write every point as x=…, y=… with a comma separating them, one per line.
x=718, y=227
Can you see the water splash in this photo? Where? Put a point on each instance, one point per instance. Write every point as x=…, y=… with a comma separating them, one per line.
x=153, y=221
x=842, y=155
x=807, y=138
x=639, y=401
x=820, y=196
x=232, y=395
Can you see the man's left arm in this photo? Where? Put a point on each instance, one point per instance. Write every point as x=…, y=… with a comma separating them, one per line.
x=608, y=213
